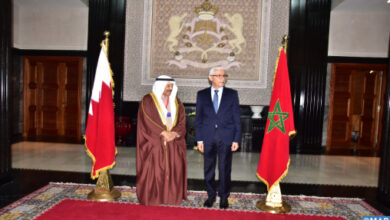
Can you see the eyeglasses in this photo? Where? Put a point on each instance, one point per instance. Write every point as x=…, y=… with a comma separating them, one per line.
x=221, y=76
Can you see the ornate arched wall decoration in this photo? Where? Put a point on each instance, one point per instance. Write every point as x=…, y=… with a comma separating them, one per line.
x=203, y=35
x=184, y=39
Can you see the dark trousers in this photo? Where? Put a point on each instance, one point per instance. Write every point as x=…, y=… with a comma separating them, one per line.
x=224, y=152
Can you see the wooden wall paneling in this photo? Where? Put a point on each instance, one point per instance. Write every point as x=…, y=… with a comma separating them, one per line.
x=5, y=91
x=61, y=101
x=356, y=97
x=383, y=105
x=29, y=82
x=339, y=111
x=52, y=97
x=72, y=100
x=369, y=111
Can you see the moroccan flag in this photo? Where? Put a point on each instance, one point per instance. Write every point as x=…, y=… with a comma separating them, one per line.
x=275, y=155
x=100, y=132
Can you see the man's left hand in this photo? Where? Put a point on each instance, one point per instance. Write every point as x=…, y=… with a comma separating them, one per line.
x=235, y=146
x=170, y=136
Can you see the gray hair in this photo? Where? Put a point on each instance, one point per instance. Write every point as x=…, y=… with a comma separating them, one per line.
x=211, y=71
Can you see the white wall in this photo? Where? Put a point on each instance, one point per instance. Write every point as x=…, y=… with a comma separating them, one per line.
x=359, y=30
x=16, y=23
x=54, y=26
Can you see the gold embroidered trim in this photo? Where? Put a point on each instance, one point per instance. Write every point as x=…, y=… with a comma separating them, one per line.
x=278, y=180
x=176, y=115
x=89, y=153
x=158, y=107
x=147, y=116
x=161, y=112
x=292, y=133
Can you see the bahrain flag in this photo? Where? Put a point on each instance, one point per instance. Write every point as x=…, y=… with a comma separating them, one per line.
x=100, y=131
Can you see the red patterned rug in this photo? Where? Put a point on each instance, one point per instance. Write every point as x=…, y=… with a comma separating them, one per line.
x=79, y=209
x=69, y=201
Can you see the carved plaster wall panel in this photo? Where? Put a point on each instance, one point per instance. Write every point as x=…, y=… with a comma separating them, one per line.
x=184, y=39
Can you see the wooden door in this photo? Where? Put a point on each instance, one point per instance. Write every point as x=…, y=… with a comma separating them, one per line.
x=52, y=97
x=355, y=112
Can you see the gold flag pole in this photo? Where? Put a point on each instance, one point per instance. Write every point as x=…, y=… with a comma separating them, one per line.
x=104, y=189
x=284, y=43
x=273, y=203
x=106, y=41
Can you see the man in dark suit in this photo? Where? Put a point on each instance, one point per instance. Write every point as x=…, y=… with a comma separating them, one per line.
x=218, y=132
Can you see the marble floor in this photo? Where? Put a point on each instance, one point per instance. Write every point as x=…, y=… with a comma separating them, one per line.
x=304, y=169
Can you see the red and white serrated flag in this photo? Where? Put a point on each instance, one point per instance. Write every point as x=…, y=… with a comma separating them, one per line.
x=100, y=132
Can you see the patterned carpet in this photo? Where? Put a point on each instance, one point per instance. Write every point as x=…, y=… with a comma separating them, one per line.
x=41, y=200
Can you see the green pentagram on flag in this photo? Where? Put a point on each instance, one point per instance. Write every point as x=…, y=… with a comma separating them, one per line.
x=278, y=123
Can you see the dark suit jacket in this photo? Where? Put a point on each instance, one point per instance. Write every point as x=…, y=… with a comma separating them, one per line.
x=227, y=119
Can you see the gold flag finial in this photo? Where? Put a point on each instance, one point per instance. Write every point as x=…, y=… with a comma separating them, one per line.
x=106, y=41
x=284, y=42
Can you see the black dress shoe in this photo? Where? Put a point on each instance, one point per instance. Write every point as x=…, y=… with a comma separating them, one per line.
x=224, y=204
x=209, y=202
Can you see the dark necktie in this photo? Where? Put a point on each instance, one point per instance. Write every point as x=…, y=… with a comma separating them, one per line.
x=215, y=101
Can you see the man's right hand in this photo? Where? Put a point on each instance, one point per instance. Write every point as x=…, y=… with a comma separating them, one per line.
x=165, y=135
x=168, y=136
x=201, y=147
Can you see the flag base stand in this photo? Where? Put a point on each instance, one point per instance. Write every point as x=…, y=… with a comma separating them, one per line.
x=104, y=189
x=273, y=203
x=285, y=208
